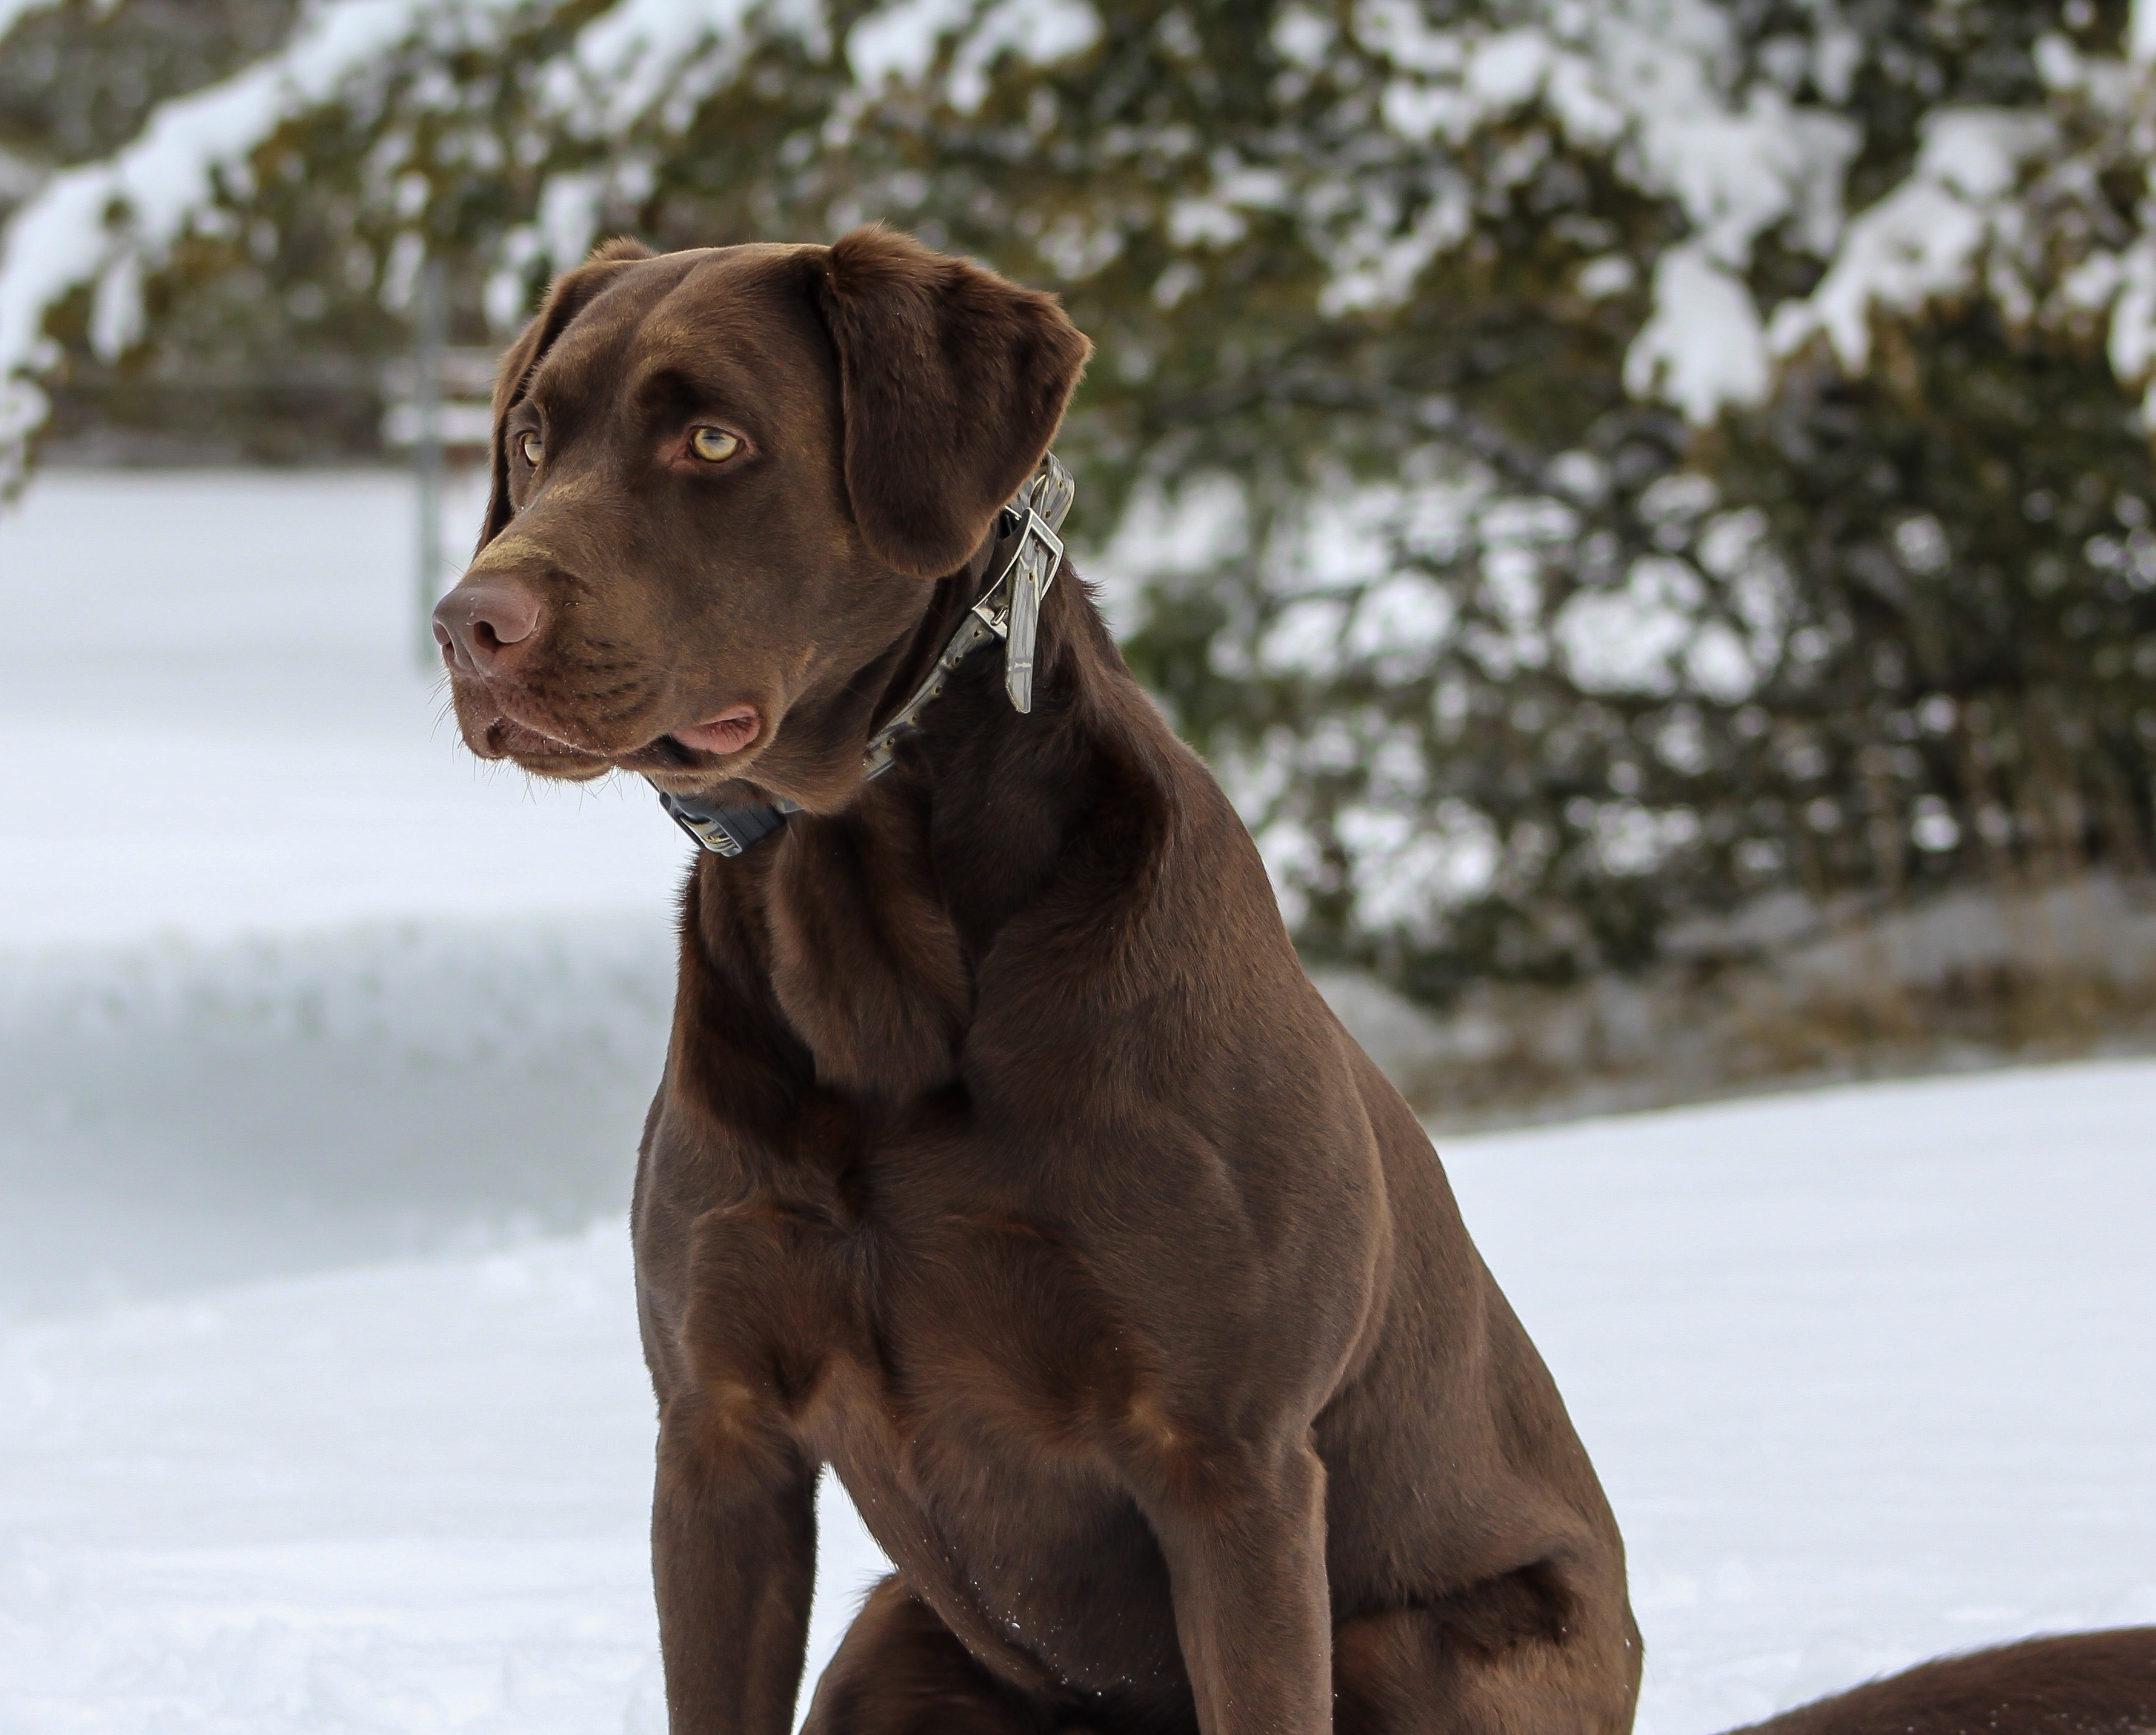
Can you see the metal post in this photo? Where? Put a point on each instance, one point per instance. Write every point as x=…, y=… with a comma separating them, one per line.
x=432, y=335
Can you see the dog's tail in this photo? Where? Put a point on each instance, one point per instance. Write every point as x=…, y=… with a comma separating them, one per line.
x=2082, y=1684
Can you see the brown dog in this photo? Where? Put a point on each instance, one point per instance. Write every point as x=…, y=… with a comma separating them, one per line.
x=1005, y=1157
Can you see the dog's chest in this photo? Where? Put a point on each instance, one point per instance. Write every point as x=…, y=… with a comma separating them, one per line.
x=964, y=1368
x=902, y=1306
x=866, y=967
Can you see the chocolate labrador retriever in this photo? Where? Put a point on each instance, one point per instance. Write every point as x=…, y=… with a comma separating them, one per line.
x=1005, y=1159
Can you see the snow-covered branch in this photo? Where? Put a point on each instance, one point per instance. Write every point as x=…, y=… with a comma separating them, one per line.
x=1741, y=141
x=105, y=223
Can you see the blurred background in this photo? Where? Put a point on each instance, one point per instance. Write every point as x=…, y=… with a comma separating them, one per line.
x=1648, y=508
x=1647, y=505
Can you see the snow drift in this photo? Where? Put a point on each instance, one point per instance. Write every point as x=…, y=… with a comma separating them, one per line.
x=1870, y=1375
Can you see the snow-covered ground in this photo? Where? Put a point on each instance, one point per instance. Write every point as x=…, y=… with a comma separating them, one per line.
x=1869, y=1374
x=219, y=725
x=315, y=1040
x=285, y=975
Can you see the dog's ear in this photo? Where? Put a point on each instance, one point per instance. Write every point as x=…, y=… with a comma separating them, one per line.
x=621, y=249
x=570, y=293
x=953, y=382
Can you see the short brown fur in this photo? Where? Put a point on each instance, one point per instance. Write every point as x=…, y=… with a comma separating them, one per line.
x=1005, y=1159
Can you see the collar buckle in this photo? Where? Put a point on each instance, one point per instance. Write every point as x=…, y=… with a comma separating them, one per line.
x=1010, y=607
x=725, y=831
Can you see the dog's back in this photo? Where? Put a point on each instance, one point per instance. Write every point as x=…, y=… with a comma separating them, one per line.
x=2080, y=1684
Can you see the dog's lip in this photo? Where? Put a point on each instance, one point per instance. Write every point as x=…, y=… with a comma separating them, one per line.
x=678, y=765
x=726, y=734
x=510, y=736
x=506, y=735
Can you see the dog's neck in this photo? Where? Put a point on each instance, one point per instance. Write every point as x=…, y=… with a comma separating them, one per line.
x=866, y=931
x=968, y=613
x=916, y=651
x=962, y=773
x=743, y=814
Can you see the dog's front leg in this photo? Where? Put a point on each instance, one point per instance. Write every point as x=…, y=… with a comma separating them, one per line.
x=733, y=1555
x=1243, y=1538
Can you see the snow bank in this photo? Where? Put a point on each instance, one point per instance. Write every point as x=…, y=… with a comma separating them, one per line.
x=286, y=977
x=1870, y=1375
x=174, y=1113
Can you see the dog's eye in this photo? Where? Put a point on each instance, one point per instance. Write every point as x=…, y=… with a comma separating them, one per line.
x=533, y=448
x=714, y=445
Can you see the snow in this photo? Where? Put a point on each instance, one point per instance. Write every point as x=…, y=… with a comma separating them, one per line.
x=13, y=12
x=1411, y=864
x=1625, y=640
x=1656, y=82
x=1870, y=1375
x=900, y=41
x=1702, y=346
x=1039, y=33
x=636, y=60
x=246, y=862
x=322, y=1058
x=2132, y=339
x=105, y=222
x=220, y=729
x=1407, y=616
x=1925, y=239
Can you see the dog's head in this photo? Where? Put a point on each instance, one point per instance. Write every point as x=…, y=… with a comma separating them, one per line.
x=725, y=483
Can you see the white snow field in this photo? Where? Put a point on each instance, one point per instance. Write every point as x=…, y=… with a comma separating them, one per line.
x=280, y=961
x=1869, y=1374
x=320, y=1405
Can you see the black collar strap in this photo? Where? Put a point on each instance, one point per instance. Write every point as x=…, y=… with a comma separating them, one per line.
x=1009, y=609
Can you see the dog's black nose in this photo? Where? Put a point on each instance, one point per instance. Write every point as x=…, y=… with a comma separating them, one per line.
x=486, y=625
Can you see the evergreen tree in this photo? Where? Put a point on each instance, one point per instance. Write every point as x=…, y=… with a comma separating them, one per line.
x=1569, y=466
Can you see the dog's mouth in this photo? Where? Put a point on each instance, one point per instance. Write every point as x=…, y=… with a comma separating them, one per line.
x=696, y=751
x=732, y=730
x=506, y=738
